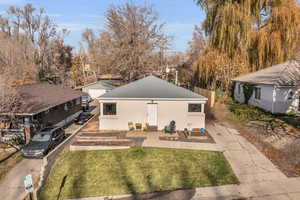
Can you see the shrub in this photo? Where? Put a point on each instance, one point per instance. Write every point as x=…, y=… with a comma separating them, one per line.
x=244, y=112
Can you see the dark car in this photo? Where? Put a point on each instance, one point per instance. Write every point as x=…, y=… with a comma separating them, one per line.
x=82, y=118
x=43, y=141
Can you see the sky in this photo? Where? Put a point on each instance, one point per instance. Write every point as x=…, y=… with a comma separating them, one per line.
x=179, y=16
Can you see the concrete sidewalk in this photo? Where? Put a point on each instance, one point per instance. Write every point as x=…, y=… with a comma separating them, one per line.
x=248, y=163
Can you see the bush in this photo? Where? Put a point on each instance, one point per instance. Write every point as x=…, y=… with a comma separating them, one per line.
x=244, y=112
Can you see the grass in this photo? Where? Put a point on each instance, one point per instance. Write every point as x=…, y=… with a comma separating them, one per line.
x=137, y=170
x=7, y=164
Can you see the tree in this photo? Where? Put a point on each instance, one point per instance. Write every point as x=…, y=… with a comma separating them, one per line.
x=249, y=35
x=196, y=45
x=35, y=33
x=130, y=43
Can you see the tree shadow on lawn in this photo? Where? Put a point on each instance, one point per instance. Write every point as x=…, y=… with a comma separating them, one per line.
x=156, y=194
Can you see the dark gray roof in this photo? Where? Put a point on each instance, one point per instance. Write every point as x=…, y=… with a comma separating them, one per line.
x=39, y=96
x=151, y=87
x=283, y=74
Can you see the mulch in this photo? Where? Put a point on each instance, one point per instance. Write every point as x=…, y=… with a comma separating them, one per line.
x=104, y=143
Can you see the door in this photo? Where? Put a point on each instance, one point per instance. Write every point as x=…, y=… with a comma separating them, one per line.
x=152, y=114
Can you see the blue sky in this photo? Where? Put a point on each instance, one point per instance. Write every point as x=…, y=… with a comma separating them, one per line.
x=180, y=16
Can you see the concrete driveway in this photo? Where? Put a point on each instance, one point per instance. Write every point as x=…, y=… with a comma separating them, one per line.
x=12, y=186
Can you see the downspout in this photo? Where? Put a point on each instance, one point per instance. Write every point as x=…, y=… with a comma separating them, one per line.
x=274, y=98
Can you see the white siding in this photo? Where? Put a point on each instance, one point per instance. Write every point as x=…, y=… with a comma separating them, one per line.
x=266, y=100
x=136, y=111
x=283, y=104
x=93, y=92
x=273, y=99
x=239, y=97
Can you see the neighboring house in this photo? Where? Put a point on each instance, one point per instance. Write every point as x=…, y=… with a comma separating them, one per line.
x=97, y=89
x=151, y=101
x=276, y=88
x=43, y=105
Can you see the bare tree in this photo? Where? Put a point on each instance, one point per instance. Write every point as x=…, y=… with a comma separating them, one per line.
x=131, y=44
x=34, y=31
x=196, y=45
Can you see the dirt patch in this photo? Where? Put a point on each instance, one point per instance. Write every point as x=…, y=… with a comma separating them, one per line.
x=7, y=161
x=92, y=126
x=280, y=144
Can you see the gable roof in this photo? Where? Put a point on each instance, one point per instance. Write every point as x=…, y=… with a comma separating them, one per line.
x=42, y=96
x=284, y=74
x=151, y=87
x=99, y=85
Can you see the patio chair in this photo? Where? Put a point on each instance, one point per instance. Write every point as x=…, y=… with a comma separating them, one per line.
x=171, y=128
x=130, y=126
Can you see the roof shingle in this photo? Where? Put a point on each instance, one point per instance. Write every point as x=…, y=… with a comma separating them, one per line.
x=151, y=88
x=283, y=74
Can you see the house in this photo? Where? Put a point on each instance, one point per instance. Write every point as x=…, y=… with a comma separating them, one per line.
x=97, y=89
x=151, y=101
x=275, y=89
x=42, y=105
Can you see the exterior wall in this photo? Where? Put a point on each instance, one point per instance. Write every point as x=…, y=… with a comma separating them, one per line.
x=94, y=93
x=266, y=100
x=273, y=99
x=283, y=104
x=239, y=97
x=136, y=111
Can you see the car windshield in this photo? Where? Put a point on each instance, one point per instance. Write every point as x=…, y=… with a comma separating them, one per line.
x=41, y=137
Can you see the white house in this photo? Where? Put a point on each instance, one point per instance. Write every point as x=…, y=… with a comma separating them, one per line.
x=151, y=101
x=276, y=88
x=97, y=89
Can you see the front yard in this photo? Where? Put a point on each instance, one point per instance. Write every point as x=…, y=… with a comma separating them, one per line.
x=137, y=170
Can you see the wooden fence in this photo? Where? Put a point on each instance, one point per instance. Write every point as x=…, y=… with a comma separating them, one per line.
x=211, y=95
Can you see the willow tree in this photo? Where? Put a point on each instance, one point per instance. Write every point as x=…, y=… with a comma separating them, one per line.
x=245, y=36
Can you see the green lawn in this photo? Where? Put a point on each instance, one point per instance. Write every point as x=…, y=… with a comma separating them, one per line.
x=136, y=170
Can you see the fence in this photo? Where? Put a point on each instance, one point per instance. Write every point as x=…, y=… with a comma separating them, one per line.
x=211, y=95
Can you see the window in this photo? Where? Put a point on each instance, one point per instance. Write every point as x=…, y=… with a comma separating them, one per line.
x=257, y=93
x=194, y=108
x=290, y=95
x=109, y=108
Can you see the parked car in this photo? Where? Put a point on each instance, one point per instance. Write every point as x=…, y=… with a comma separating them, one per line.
x=43, y=141
x=82, y=118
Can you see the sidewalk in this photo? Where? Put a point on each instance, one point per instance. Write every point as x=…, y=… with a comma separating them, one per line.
x=248, y=163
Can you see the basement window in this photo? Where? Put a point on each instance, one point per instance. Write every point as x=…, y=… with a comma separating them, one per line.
x=194, y=107
x=109, y=109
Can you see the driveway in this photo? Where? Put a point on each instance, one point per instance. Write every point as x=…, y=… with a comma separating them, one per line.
x=12, y=186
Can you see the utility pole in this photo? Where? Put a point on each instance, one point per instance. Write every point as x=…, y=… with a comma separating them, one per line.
x=176, y=77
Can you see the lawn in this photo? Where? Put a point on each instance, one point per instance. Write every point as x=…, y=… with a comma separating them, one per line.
x=137, y=170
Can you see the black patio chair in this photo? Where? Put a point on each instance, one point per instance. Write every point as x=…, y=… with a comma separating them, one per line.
x=171, y=128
